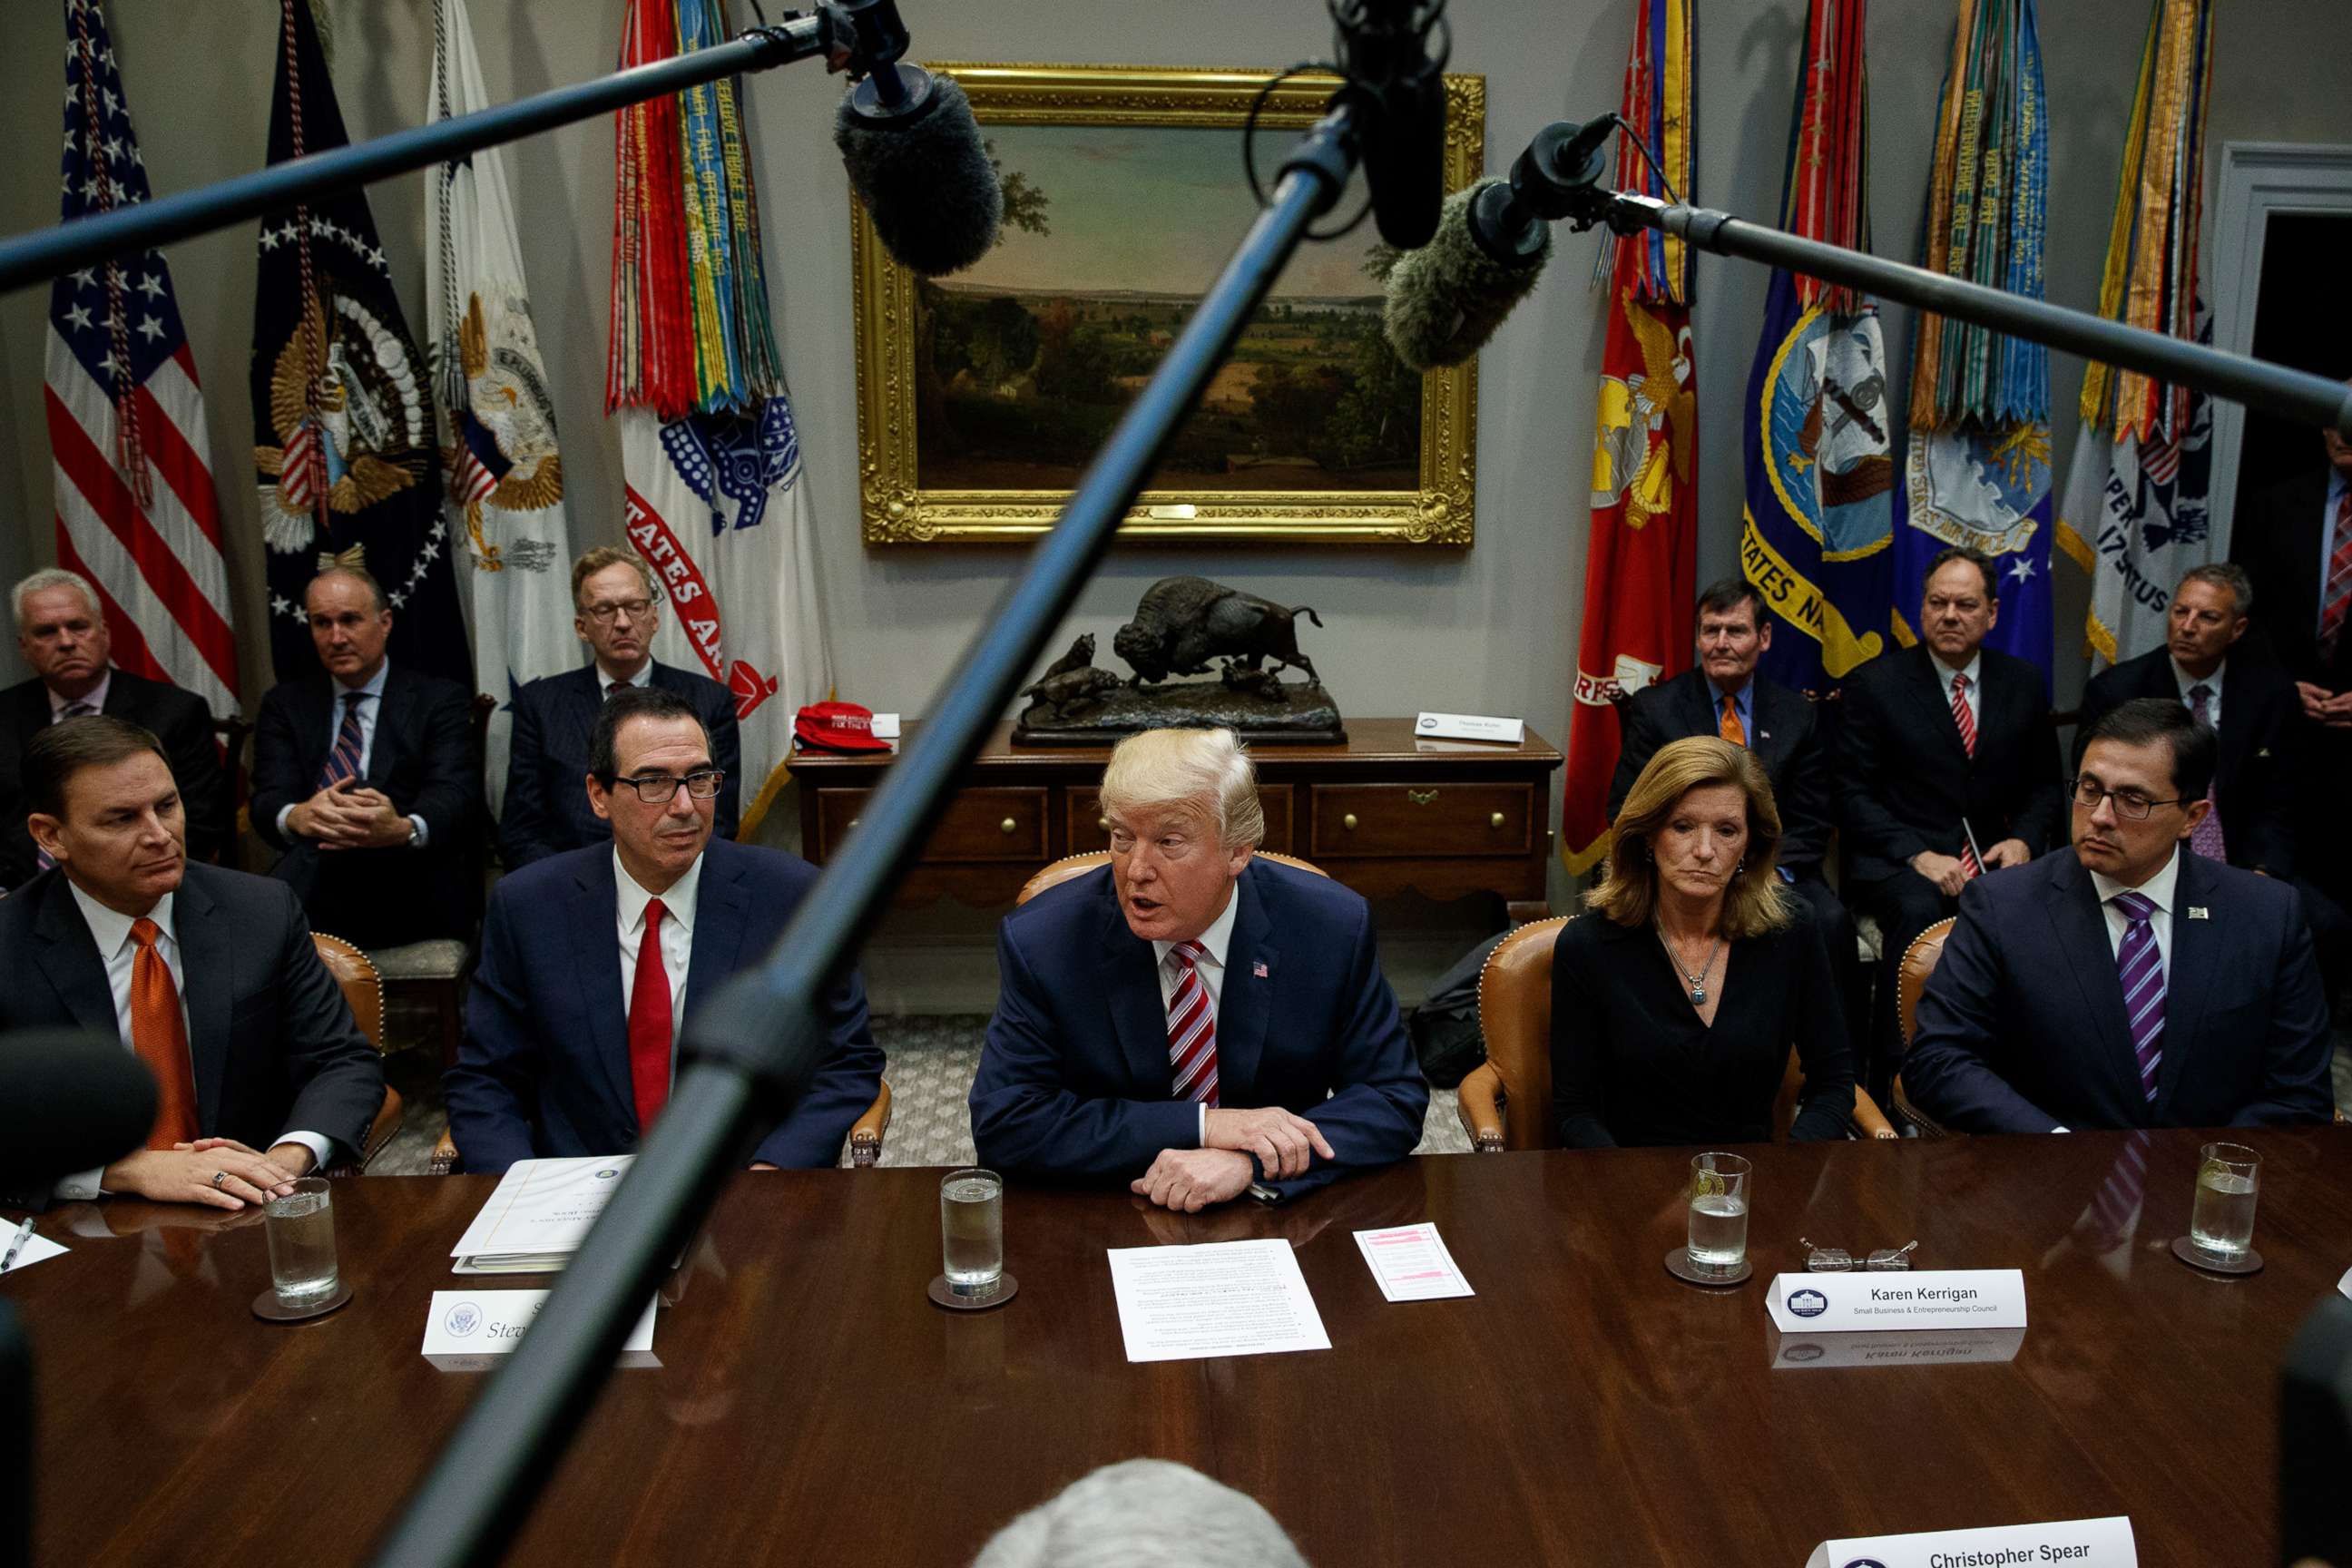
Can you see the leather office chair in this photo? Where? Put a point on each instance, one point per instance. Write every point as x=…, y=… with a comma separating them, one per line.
x=1919, y=961
x=1057, y=872
x=1514, y=1017
x=362, y=991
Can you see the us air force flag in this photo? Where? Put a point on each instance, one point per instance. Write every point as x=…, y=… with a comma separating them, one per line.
x=718, y=506
x=1988, y=491
x=344, y=450
x=504, y=504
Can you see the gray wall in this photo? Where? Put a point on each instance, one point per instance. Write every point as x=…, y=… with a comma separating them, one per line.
x=1492, y=631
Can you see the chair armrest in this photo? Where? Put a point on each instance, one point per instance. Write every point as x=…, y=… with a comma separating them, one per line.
x=1927, y=1125
x=444, y=1155
x=865, y=1136
x=1479, y=1102
x=380, y=1133
x=1868, y=1119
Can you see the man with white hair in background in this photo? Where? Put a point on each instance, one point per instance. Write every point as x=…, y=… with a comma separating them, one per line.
x=62, y=632
x=1143, y=1513
x=1189, y=1019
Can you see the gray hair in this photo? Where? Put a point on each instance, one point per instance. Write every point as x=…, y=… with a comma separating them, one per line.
x=1144, y=1513
x=2226, y=574
x=53, y=578
x=1206, y=769
x=359, y=574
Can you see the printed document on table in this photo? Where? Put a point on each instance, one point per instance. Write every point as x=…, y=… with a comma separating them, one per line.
x=1410, y=1263
x=1222, y=1298
x=36, y=1250
x=539, y=1214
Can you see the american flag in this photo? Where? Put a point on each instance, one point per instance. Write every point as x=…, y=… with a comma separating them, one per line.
x=136, y=510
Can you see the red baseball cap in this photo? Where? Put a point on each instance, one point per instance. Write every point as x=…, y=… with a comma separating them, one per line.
x=838, y=727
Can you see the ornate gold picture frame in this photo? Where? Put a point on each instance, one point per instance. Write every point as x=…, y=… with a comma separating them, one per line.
x=982, y=396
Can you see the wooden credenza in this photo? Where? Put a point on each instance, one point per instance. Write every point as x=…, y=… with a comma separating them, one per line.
x=1384, y=814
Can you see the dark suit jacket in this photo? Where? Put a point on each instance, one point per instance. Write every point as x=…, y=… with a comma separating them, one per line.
x=2277, y=539
x=1906, y=780
x=546, y=810
x=544, y=1068
x=2254, y=784
x=1074, y=1080
x=1785, y=739
x=2022, y=1028
x=179, y=719
x=423, y=759
x=272, y=1045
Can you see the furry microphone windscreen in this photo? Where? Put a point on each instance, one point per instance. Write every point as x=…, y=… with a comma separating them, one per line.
x=923, y=175
x=1446, y=300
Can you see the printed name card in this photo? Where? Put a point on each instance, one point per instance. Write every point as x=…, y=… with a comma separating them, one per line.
x=2075, y=1542
x=1469, y=727
x=1922, y=1299
x=1924, y=1347
x=468, y=1329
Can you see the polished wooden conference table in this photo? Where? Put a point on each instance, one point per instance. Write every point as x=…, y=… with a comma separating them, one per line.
x=1584, y=1407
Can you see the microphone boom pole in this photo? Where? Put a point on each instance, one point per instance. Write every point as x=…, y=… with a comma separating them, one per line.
x=758, y=1039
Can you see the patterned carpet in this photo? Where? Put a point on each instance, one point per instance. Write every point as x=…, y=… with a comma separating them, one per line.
x=931, y=1062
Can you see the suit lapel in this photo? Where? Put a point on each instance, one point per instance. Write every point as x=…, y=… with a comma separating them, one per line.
x=2080, y=926
x=2188, y=973
x=1246, y=1000
x=392, y=713
x=722, y=917
x=597, y=961
x=1930, y=686
x=208, y=960
x=1776, y=725
x=67, y=955
x=1131, y=986
x=1695, y=703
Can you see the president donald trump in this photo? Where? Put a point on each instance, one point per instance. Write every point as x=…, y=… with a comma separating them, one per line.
x=1189, y=1019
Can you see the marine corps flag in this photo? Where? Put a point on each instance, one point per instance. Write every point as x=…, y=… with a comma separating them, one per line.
x=1640, y=565
x=504, y=504
x=1818, y=426
x=717, y=503
x=343, y=407
x=2135, y=514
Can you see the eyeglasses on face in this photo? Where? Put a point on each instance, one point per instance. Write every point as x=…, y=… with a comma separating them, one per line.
x=605, y=614
x=2129, y=802
x=655, y=789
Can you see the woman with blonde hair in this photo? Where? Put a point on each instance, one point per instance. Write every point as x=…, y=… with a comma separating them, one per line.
x=1675, y=1002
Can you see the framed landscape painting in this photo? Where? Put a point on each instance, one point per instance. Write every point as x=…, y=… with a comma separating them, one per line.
x=983, y=396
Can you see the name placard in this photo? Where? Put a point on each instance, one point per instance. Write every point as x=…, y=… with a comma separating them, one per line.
x=2075, y=1542
x=1469, y=727
x=468, y=1329
x=1922, y=1347
x=1923, y=1298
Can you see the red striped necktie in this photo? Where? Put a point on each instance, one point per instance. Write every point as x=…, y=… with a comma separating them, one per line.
x=1967, y=726
x=2336, y=598
x=1192, y=1028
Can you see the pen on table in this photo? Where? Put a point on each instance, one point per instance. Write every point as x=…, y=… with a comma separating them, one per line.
x=23, y=1232
x=1974, y=853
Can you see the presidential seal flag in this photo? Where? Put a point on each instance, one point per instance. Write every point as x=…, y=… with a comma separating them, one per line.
x=1641, y=565
x=343, y=446
x=1977, y=471
x=136, y=513
x=716, y=501
x=1817, y=430
x=2135, y=514
x=504, y=501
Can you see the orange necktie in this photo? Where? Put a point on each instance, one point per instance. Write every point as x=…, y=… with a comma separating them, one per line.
x=160, y=1037
x=1733, y=730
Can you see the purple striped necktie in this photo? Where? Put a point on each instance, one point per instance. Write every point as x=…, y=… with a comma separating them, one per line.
x=2143, y=978
x=343, y=760
x=2206, y=837
x=1192, y=1028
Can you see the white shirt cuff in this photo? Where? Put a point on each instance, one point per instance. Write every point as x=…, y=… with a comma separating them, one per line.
x=424, y=833
x=2062, y=1129
x=283, y=812
x=320, y=1147
x=1201, y=1136
x=80, y=1187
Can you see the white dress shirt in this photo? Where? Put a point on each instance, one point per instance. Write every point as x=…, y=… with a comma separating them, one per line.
x=1974, y=670
x=2213, y=693
x=1212, y=970
x=373, y=687
x=110, y=929
x=95, y=697
x=2158, y=889
x=676, y=938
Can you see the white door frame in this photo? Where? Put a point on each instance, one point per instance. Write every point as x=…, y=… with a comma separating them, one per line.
x=2258, y=178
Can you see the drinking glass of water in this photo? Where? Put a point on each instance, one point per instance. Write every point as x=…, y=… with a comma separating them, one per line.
x=301, y=1226
x=2229, y=1180
x=971, y=1232
x=1718, y=1211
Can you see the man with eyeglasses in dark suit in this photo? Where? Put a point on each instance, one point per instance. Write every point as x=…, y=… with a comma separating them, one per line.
x=592, y=960
x=617, y=610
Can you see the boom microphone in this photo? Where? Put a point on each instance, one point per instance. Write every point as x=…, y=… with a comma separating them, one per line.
x=913, y=152
x=1399, y=92
x=69, y=1100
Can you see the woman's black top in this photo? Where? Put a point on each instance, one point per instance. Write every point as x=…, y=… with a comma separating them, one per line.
x=1631, y=1062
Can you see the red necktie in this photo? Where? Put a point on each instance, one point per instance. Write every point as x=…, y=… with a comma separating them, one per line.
x=1968, y=724
x=1191, y=1029
x=160, y=1037
x=2337, y=597
x=649, y=1022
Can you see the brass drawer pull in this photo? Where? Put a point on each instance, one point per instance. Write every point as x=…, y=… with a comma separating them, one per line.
x=1495, y=820
x=1348, y=822
x=1007, y=826
x=1421, y=796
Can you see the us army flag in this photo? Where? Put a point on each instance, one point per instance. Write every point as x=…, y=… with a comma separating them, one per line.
x=503, y=498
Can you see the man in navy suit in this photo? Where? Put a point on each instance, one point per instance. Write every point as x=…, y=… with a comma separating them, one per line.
x=1188, y=1019
x=363, y=775
x=2130, y=983
x=545, y=811
x=63, y=635
x=594, y=959
x=208, y=975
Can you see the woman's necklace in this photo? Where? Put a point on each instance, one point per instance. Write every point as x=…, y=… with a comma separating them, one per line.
x=1698, y=982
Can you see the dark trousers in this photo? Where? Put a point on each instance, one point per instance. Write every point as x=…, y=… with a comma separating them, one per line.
x=1820, y=904
x=1904, y=905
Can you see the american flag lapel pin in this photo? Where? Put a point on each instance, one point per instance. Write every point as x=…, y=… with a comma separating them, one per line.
x=2196, y=912
x=1257, y=967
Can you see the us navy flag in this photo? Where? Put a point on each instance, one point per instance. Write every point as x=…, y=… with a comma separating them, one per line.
x=344, y=444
